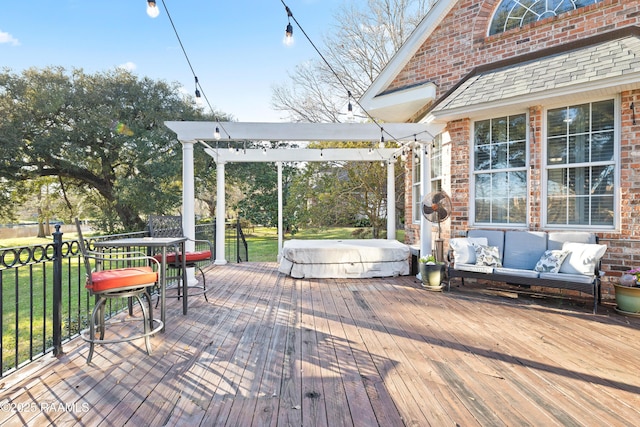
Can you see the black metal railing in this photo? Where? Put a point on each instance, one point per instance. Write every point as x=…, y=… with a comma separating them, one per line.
x=43, y=300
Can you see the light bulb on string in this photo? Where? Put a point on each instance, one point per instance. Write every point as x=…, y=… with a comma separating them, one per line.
x=349, y=108
x=288, y=32
x=152, y=9
x=198, y=95
x=216, y=134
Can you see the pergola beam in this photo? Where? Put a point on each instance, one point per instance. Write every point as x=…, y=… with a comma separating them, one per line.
x=242, y=131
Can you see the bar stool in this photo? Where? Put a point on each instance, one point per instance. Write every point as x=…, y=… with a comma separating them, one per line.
x=126, y=282
x=171, y=226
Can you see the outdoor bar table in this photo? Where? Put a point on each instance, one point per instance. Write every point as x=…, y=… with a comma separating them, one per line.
x=155, y=242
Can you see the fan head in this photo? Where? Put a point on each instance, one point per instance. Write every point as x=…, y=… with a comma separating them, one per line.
x=436, y=206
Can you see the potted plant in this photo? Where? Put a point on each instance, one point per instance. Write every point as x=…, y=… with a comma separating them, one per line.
x=431, y=273
x=628, y=293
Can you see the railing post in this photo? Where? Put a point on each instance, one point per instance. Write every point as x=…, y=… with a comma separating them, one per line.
x=238, y=240
x=57, y=292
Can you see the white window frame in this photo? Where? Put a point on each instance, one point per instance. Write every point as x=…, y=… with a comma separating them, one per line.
x=416, y=185
x=616, y=163
x=472, y=176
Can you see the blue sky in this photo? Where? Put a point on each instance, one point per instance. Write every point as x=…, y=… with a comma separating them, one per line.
x=234, y=46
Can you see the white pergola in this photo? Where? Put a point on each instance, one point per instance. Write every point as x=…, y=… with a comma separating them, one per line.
x=190, y=133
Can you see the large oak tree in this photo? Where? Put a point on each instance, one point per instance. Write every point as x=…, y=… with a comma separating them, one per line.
x=101, y=135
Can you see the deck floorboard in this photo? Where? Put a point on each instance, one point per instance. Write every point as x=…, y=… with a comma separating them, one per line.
x=271, y=350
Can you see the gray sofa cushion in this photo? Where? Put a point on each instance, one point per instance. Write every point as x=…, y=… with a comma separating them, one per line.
x=517, y=272
x=557, y=238
x=523, y=249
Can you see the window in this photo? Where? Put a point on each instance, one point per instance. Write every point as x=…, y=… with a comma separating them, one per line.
x=416, y=176
x=499, y=171
x=436, y=164
x=580, y=165
x=517, y=13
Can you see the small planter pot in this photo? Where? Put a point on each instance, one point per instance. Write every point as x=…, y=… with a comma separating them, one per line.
x=432, y=275
x=627, y=300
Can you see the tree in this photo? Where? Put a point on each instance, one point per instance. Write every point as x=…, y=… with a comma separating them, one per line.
x=101, y=135
x=356, y=50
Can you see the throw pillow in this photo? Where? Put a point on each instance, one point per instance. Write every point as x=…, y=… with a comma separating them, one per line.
x=463, y=250
x=487, y=255
x=551, y=261
x=582, y=258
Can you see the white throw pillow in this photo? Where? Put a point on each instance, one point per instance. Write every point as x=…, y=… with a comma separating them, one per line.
x=551, y=261
x=582, y=257
x=463, y=250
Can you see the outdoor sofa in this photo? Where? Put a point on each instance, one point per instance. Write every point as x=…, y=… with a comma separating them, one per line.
x=556, y=259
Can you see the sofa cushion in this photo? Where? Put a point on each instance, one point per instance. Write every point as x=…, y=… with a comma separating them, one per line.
x=475, y=268
x=575, y=278
x=558, y=238
x=582, y=258
x=517, y=272
x=523, y=249
x=551, y=261
x=487, y=255
x=463, y=250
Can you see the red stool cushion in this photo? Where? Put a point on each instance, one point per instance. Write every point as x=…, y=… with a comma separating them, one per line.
x=122, y=278
x=192, y=257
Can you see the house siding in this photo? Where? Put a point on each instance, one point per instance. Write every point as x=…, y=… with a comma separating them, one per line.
x=460, y=44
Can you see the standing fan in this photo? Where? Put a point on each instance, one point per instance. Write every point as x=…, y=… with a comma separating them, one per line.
x=436, y=207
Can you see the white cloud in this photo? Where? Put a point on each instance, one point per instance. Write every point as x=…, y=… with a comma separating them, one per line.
x=8, y=38
x=129, y=66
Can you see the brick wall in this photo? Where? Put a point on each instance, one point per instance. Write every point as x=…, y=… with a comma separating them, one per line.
x=460, y=44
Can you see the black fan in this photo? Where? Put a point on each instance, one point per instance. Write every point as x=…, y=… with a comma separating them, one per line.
x=436, y=207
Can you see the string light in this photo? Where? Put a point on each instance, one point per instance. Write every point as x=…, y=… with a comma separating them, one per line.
x=198, y=96
x=216, y=134
x=152, y=9
x=288, y=32
x=349, y=107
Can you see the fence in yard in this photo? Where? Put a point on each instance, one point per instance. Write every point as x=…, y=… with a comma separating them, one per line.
x=43, y=300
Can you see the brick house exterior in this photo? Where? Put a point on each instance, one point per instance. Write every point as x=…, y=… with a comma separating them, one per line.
x=454, y=70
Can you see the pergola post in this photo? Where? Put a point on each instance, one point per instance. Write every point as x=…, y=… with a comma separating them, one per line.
x=280, y=205
x=391, y=200
x=188, y=202
x=220, y=214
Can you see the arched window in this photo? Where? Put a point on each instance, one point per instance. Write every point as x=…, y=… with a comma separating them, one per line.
x=516, y=13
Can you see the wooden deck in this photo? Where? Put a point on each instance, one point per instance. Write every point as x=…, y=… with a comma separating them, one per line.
x=271, y=350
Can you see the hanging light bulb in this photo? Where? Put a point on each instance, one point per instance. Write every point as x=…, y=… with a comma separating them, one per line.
x=381, y=144
x=198, y=95
x=288, y=32
x=216, y=134
x=349, y=108
x=152, y=9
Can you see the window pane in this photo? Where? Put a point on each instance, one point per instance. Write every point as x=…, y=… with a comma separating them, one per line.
x=578, y=118
x=579, y=149
x=482, y=132
x=602, y=211
x=518, y=210
x=517, y=154
x=499, y=156
x=518, y=127
x=602, y=147
x=557, y=151
x=555, y=122
x=483, y=157
x=499, y=130
x=602, y=115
